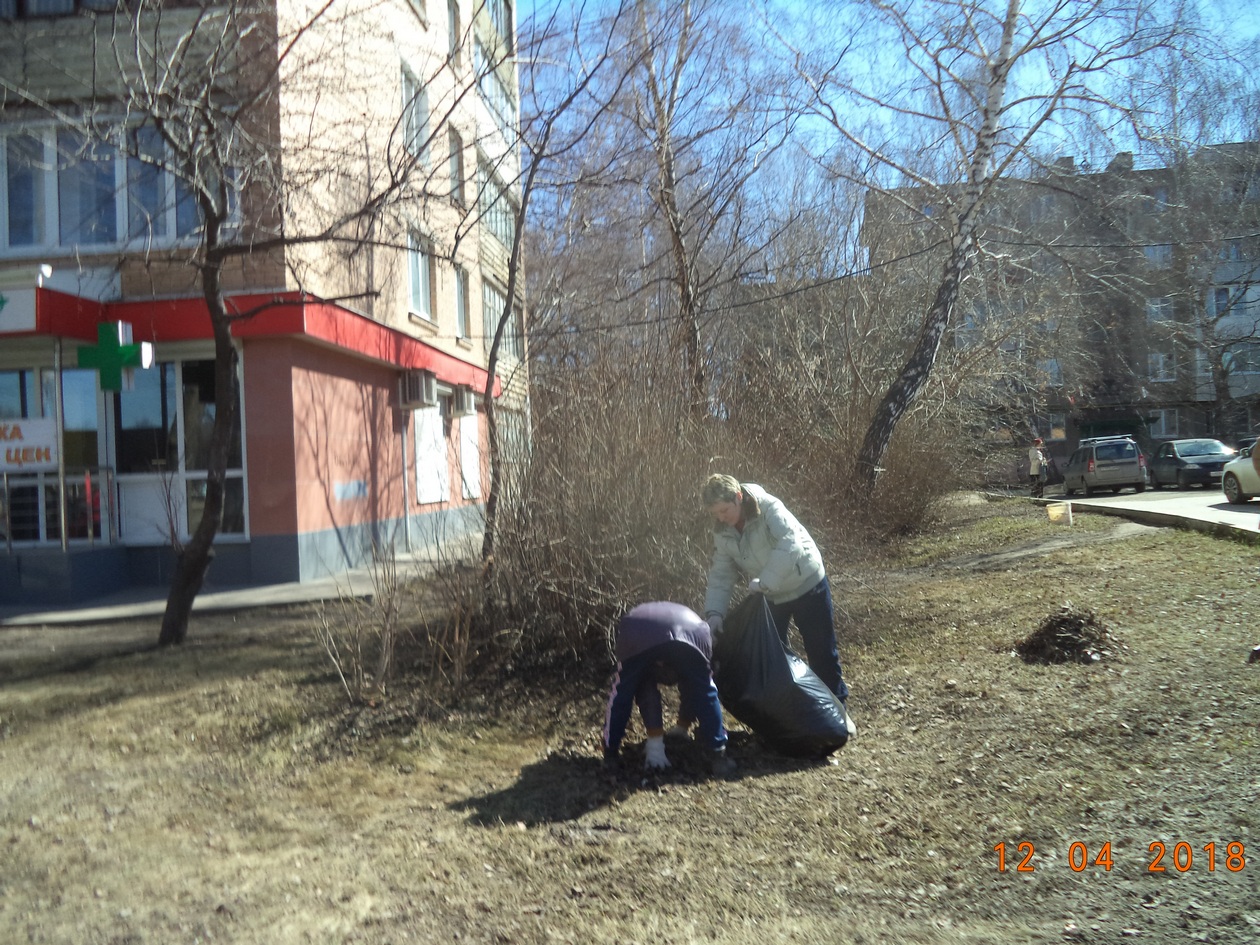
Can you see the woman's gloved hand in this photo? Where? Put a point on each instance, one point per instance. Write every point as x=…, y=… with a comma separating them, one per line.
x=655, y=753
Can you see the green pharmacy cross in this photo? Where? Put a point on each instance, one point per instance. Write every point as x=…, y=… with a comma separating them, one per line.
x=115, y=356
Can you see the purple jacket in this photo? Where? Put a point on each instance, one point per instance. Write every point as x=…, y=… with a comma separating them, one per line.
x=658, y=622
x=663, y=636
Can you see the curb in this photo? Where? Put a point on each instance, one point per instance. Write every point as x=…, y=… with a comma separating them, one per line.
x=1157, y=519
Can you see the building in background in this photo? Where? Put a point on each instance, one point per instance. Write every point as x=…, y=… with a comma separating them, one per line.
x=1120, y=300
x=376, y=219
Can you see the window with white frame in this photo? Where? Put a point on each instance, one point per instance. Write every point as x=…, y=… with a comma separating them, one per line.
x=1158, y=255
x=1219, y=302
x=420, y=272
x=1159, y=309
x=455, y=166
x=1231, y=250
x=86, y=209
x=1159, y=367
x=453, y=29
x=1056, y=424
x=1243, y=357
x=501, y=16
x=461, y=302
x=497, y=212
x=26, y=189
x=415, y=104
x=470, y=455
x=1157, y=200
x=493, y=303
x=432, y=461
x=1163, y=422
x=60, y=189
x=494, y=91
x=421, y=10
x=513, y=336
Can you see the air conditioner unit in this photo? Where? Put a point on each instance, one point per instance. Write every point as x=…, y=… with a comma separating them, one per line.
x=417, y=389
x=464, y=402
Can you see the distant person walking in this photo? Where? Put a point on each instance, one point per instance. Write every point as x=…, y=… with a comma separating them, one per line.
x=1036, y=468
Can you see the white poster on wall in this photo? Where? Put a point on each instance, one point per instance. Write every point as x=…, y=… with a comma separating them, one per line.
x=433, y=473
x=28, y=445
x=17, y=310
x=470, y=456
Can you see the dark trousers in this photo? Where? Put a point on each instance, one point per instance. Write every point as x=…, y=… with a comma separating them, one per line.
x=815, y=618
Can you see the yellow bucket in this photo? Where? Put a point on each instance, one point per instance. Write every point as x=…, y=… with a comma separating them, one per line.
x=1060, y=513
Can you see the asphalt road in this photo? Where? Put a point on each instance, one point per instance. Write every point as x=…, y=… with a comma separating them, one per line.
x=1165, y=506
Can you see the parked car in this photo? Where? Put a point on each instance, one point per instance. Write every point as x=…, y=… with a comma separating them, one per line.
x=1190, y=462
x=1239, y=480
x=1105, y=462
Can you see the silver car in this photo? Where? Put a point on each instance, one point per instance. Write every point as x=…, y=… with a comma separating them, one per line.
x=1241, y=481
x=1105, y=462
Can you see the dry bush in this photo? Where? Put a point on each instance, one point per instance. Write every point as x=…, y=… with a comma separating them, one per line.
x=805, y=445
x=359, y=634
x=606, y=516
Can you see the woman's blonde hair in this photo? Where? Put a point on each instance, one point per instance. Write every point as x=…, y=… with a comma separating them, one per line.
x=720, y=488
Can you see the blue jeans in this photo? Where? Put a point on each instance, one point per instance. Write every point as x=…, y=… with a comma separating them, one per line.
x=815, y=618
x=637, y=682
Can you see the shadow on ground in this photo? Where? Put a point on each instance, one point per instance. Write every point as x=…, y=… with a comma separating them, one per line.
x=570, y=783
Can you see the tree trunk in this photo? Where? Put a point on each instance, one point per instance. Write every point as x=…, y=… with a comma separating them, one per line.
x=918, y=367
x=194, y=561
x=914, y=375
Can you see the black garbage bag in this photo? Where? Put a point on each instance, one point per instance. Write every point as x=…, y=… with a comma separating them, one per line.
x=771, y=689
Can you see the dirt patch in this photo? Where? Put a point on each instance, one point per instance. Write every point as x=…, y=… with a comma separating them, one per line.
x=223, y=791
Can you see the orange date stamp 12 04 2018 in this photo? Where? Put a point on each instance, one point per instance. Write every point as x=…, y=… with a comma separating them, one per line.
x=1160, y=857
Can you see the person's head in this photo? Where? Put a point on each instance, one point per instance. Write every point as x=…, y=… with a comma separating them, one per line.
x=723, y=498
x=1036, y=441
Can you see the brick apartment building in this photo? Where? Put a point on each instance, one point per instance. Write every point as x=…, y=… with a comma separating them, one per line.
x=1137, y=290
x=372, y=211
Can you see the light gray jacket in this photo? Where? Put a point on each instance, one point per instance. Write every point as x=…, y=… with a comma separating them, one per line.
x=774, y=547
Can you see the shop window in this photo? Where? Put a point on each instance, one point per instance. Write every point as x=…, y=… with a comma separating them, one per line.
x=145, y=422
x=78, y=407
x=199, y=413
x=18, y=397
x=233, y=505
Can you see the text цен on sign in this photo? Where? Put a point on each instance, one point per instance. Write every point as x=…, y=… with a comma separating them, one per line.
x=28, y=445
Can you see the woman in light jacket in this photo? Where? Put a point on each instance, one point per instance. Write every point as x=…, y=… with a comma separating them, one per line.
x=756, y=537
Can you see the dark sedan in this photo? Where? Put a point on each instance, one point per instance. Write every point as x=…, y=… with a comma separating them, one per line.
x=1190, y=462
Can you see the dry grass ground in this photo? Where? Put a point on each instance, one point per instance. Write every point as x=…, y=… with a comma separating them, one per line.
x=221, y=792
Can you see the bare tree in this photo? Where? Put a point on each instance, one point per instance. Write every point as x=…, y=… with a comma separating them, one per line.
x=560, y=114
x=976, y=88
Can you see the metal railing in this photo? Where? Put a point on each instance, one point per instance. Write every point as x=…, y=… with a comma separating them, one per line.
x=34, y=512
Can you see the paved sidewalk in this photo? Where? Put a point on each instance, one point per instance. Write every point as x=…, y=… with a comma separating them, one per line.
x=136, y=602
